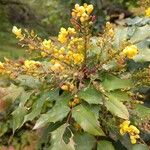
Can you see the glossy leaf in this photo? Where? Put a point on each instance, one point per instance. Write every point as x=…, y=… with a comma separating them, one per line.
x=84, y=141
x=57, y=142
x=13, y=92
x=24, y=97
x=57, y=113
x=29, y=81
x=139, y=147
x=18, y=117
x=91, y=95
x=142, y=111
x=117, y=108
x=141, y=34
x=87, y=120
x=119, y=96
x=111, y=83
x=105, y=145
x=37, y=108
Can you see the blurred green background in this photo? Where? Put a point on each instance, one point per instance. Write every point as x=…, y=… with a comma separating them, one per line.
x=47, y=16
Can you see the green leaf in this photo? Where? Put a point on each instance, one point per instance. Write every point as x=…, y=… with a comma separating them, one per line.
x=139, y=147
x=13, y=92
x=84, y=141
x=119, y=96
x=142, y=111
x=3, y=128
x=105, y=145
x=117, y=108
x=120, y=36
x=58, y=142
x=144, y=51
x=141, y=34
x=111, y=83
x=24, y=97
x=37, y=108
x=18, y=117
x=93, y=108
x=91, y=95
x=57, y=113
x=87, y=120
x=29, y=81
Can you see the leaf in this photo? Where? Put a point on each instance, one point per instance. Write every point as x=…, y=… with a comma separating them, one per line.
x=137, y=21
x=120, y=36
x=18, y=117
x=139, y=147
x=117, y=108
x=119, y=96
x=29, y=81
x=84, y=141
x=13, y=92
x=87, y=120
x=3, y=128
x=93, y=108
x=141, y=34
x=111, y=83
x=57, y=113
x=58, y=142
x=24, y=97
x=143, y=111
x=105, y=145
x=144, y=51
x=91, y=95
x=51, y=95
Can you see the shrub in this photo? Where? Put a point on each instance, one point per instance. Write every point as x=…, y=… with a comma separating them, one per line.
x=78, y=92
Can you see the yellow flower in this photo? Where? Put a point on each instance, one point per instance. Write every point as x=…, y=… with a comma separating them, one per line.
x=82, y=12
x=78, y=58
x=62, y=37
x=71, y=31
x=89, y=9
x=147, y=11
x=133, y=139
x=17, y=32
x=125, y=127
x=57, y=67
x=43, y=54
x=77, y=44
x=46, y=44
x=130, y=51
x=31, y=64
x=133, y=129
x=2, y=67
x=65, y=34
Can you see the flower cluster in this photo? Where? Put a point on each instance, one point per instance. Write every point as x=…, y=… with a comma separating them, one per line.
x=31, y=66
x=76, y=45
x=64, y=34
x=125, y=127
x=130, y=51
x=18, y=33
x=46, y=44
x=82, y=12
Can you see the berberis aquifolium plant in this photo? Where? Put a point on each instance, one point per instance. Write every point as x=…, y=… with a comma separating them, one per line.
x=78, y=91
